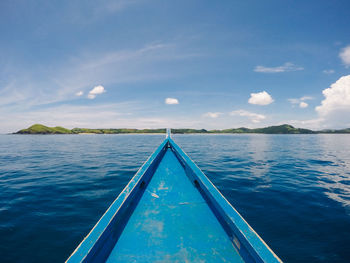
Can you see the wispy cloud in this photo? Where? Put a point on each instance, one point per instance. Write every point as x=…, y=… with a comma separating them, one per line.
x=68, y=116
x=117, y=115
x=254, y=117
x=286, y=67
x=24, y=90
x=345, y=55
x=113, y=6
x=260, y=98
x=328, y=71
x=315, y=124
x=11, y=93
x=171, y=101
x=213, y=115
x=63, y=81
x=92, y=11
x=301, y=101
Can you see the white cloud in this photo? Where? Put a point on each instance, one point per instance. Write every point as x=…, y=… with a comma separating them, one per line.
x=328, y=71
x=301, y=101
x=334, y=111
x=260, y=98
x=79, y=93
x=212, y=114
x=335, y=108
x=96, y=91
x=345, y=55
x=254, y=117
x=171, y=101
x=117, y=115
x=23, y=92
x=303, y=104
x=76, y=73
x=286, y=67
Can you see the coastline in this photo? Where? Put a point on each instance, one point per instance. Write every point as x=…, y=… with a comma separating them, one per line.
x=39, y=129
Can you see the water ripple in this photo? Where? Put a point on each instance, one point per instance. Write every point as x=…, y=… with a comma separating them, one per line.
x=293, y=189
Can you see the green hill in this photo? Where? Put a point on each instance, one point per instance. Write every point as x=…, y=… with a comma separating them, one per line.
x=336, y=131
x=280, y=129
x=115, y=131
x=42, y=129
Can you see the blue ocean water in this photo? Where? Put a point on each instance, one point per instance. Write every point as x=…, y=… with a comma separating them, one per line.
x=294, y=190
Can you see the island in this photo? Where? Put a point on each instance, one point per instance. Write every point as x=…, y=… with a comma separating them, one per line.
x=279, y=129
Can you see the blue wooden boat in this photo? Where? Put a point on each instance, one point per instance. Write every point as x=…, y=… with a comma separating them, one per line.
x=171, y=212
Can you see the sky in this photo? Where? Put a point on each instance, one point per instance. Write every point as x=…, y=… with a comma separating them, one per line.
x=179, y=64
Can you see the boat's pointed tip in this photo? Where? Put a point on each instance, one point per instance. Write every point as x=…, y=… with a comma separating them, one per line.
x=168, y=133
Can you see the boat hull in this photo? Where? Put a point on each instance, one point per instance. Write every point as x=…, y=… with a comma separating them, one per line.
x=171, y=212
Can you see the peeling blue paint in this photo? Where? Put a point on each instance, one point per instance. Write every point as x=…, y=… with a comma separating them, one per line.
x=171, y=212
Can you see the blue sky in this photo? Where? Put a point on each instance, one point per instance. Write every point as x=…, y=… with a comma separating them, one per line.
x=222, y=64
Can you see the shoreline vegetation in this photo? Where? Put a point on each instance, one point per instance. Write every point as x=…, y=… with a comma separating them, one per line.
x=280, y=129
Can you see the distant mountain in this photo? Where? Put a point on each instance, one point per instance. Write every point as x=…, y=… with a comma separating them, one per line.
x=42, y=129
x=280, y=129
x=116, y=131
x=335, y=131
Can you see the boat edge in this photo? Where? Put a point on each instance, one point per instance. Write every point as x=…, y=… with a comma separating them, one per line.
x=255, y=242
x=265, y=253
x=85, y=246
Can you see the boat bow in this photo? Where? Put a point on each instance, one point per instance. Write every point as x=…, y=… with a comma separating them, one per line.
x=170, y=211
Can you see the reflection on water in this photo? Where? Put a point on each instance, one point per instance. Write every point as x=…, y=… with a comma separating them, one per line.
x=258, y=149
x=294, y=190
x=335, y=167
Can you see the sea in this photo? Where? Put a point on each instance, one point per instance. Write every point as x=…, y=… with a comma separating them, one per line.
x=294, y=190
